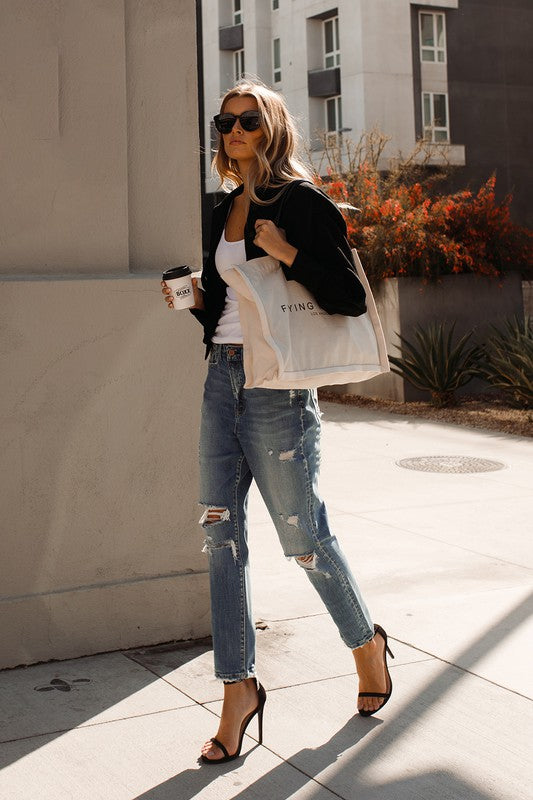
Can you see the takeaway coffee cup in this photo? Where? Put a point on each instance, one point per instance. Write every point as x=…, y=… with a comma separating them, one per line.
x=179, y=280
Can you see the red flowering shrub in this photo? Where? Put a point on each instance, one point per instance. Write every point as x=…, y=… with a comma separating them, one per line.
x=401, y=228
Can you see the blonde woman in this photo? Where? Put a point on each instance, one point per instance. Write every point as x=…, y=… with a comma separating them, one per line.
x=270, y=435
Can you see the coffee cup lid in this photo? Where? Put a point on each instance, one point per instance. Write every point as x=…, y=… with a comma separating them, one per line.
x=176, y=272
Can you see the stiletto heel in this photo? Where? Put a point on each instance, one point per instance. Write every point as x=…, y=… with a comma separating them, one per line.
x=260, y=724
x=261, y=700
x=385, y=695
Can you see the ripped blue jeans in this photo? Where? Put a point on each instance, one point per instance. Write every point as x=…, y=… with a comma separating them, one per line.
x=272, y=436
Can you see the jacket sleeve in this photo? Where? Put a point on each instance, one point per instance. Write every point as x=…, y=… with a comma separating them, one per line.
x=324, y=263
x=200, y=314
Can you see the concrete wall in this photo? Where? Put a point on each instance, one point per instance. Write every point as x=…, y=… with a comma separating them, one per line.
x=100, y=546
x=473, y=302
x=64, y=201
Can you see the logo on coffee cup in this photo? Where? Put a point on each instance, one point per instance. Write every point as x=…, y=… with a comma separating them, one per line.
x=183, y=291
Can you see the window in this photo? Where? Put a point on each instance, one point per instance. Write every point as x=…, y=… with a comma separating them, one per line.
x=432, y=37
x=275, y=5
x=237, y=12
x=333, y=114
x=276, y=59
x=238, y=65
x=332, y=53
x=435, y=110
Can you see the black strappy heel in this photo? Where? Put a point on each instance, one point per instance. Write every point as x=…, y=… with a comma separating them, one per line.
x=385, y=695
x=261, y=698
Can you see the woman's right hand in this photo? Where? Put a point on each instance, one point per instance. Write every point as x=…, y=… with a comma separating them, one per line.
x=198, y=295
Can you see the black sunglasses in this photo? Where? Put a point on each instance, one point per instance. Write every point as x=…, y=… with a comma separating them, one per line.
x=249, y=121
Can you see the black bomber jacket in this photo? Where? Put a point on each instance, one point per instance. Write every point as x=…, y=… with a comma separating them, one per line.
x=324, y=264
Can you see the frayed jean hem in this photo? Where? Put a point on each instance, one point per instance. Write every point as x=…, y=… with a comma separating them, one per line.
x=236, y=678
x=363, y=642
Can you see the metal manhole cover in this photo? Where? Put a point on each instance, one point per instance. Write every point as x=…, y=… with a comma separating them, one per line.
x=450, y=464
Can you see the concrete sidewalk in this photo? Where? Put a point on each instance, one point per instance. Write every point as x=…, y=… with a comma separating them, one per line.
x=444, y=561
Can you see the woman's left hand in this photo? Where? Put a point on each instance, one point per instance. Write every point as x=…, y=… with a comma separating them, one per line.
x=273, y=241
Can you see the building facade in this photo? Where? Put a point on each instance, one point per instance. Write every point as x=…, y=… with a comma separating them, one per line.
x=415, y=70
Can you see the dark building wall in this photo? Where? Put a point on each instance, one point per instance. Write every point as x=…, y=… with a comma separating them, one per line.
x=490, y=83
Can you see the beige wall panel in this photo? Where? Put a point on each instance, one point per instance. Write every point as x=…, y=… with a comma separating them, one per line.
x=100, y=546
x=63, y=137
x=98, y=452
x=71, y=624
x=164, y=206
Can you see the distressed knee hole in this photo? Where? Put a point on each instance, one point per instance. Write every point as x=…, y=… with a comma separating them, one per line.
x=307, y=562
x=210, y=546
x=213, y=515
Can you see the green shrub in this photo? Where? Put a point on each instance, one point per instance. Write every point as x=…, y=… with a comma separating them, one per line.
x=507, y=361
x=434, y=364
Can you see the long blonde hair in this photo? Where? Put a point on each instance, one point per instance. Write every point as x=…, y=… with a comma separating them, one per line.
x=277, y=160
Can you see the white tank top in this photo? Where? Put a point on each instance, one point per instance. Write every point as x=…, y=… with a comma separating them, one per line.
x=227, y=255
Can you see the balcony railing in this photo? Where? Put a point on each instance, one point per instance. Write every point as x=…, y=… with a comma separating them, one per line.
x=231, y=37
x=324, y=82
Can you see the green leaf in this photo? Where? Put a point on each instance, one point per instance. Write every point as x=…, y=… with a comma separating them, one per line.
x=433, y=363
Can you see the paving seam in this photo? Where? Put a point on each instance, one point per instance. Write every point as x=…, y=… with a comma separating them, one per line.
x=335, y=677
x=310, y=777
x=292, y=619
x=459, y=667
x=440, y=541
x=431, y=656
x=193, y=699
x=295, y=767
x=323, y=785
x=97, y=724
x=339, y=511
x=300, y=770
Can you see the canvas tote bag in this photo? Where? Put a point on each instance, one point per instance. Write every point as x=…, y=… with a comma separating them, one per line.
x=289, y=342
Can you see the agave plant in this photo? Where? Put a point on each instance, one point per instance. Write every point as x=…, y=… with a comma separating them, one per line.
x=434, y=364
x=507, y=362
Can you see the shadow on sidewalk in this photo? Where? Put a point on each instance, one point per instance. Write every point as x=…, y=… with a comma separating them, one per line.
x=345, y=773
x=48, y=700
x=346, y=778
x=346, y=415
x=283, y=781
